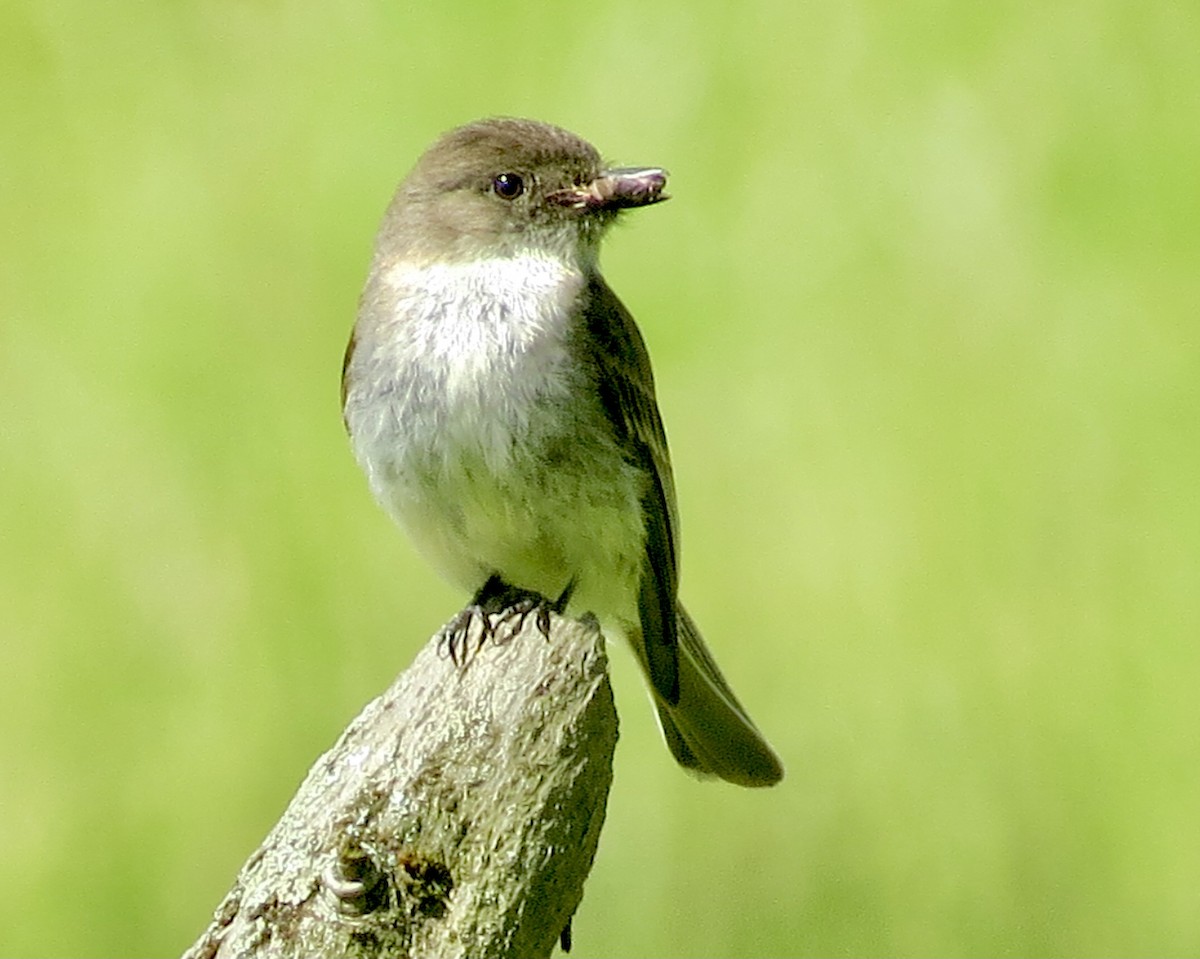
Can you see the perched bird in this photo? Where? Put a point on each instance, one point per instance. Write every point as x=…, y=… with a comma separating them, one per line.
x=499, y=398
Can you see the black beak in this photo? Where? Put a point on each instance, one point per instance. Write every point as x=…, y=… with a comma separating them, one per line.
x=616, y=189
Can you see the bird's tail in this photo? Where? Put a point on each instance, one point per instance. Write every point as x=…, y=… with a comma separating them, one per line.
x=707, y=730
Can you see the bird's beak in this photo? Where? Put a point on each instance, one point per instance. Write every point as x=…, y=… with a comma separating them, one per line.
x=616, y=189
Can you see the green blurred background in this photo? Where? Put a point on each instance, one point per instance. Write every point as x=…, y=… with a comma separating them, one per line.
x=924, y=317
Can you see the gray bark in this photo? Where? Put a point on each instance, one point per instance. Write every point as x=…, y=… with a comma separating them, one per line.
x=457, y=815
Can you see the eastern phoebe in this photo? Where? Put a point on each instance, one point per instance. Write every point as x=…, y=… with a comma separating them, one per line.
x=500, y=399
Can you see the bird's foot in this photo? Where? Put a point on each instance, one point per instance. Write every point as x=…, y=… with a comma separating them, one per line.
x=459, y=640
x=502, y=611
x=514, y=607
x=514, y=615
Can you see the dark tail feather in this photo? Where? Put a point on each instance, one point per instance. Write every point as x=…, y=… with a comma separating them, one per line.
x=708, y=731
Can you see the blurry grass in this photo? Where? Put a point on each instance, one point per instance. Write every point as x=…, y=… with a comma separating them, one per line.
x=923, y=316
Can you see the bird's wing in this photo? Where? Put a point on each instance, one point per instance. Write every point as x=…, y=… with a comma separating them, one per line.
x=625, y=383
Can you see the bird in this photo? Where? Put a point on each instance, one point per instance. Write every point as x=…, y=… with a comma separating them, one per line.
x=500, y=400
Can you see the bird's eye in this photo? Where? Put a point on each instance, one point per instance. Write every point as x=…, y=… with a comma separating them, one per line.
x=508, y=186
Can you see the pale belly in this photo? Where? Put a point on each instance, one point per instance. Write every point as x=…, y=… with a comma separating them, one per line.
x=541, y=510
x=538, y=526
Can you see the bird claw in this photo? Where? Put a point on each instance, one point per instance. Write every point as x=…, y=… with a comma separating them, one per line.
x=455, y=639
x=501, y=611
x=514, y=616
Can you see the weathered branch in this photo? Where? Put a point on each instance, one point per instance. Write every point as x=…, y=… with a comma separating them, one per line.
x=457, y=815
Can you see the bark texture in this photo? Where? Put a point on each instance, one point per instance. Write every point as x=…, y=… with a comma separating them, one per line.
x=457, y=815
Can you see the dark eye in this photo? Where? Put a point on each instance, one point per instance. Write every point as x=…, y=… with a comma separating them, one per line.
x=508, y=186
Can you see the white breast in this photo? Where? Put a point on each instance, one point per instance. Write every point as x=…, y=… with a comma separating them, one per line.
x=469, y=316
x=458, y=355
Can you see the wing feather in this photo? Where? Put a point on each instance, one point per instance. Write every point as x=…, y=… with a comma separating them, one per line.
x=625, y=384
